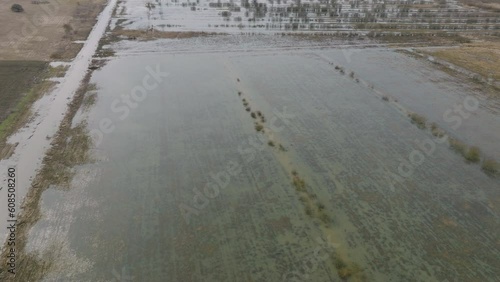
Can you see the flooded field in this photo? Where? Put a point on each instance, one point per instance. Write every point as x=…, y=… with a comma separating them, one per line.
x=184, y=188
x=286, y=15
x=255, y=155
x=321, y=16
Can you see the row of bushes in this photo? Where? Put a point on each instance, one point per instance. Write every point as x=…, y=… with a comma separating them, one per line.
x=471, y=154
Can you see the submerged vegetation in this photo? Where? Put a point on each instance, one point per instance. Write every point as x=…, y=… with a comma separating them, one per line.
x=473, y=154
x=312, y=206
x=436, y=131
x=73, y=151
x=458, y=146
x=490, y=166
x=344, y=270
x=299, y=183
x=355, y=222
x=418, y=120
x=70, y=148
x=89, y=100
x=470, y=154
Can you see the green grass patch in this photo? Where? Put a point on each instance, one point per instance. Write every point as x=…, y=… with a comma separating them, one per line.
x=16, y=79
x=58, y=71
x=20, y=113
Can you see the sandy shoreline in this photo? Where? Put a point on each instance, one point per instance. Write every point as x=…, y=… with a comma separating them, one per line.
x=49, y=112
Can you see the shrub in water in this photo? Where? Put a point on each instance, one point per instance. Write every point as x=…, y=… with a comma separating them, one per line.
x=418, y=120
x=17, y=8
x=490, y=166
x=473, y=155
x=458, y=146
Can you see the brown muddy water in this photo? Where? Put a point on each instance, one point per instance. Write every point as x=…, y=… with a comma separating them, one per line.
x=185, y=189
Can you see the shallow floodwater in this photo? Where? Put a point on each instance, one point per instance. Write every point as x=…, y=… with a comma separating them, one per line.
x=185, y=189
x=304, y=16
x=439, y=97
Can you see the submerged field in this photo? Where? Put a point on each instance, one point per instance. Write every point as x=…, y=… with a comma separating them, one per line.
x=186, y=186
x=219, y=154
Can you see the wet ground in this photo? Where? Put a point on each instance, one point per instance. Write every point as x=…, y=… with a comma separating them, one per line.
x=16, y=78
x=310, y=16
x=34, y=139
x=185, y=189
